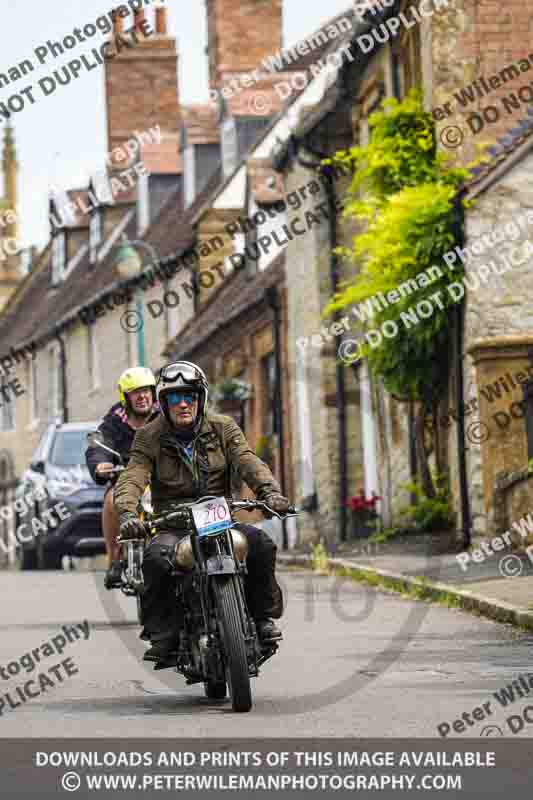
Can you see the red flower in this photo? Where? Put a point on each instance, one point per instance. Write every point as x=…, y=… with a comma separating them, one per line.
x=361, y=503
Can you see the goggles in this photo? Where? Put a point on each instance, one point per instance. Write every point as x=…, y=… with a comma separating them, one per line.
x=180, y=369
x=175, y=398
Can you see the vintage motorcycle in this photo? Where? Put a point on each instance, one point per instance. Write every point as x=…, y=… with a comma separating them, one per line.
x=218, y=642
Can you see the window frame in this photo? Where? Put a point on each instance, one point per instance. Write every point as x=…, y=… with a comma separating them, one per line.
x=93, y=359
x=7, y=409
x=59, y=256
x=56, y=408
x=33, y=394
x=95, y=235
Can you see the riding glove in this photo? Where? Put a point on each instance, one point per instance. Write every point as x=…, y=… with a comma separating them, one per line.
x=278, y=503
x=131, y=526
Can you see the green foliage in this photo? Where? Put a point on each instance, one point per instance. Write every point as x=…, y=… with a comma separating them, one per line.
x=404, y=192
x=387, y=534
x=231, y=389
x=430, y=513
x=402, y=152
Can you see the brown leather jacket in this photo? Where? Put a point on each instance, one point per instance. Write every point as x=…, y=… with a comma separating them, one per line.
x=156, y=458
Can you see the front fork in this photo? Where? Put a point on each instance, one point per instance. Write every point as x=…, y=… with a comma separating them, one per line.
x=134, y=578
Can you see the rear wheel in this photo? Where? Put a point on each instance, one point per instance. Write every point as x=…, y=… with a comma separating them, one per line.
x=237, y=675
x=139, y=609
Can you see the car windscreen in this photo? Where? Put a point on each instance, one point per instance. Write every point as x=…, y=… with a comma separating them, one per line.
x=69, y=448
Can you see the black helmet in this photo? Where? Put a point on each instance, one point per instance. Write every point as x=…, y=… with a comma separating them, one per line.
x=183, y=375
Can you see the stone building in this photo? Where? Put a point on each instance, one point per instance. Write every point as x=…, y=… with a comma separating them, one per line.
x=83, y=311
x=242, y=215
x=240, y=328
x=94, y=303
x=348, y=430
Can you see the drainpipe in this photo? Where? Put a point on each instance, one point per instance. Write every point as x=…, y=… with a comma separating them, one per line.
x=340, y=383
x=63, y=361
x=459, y=390
x=272, y=299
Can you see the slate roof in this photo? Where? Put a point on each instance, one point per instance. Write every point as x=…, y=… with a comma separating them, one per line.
x=236, y=297
x=35, y=309
x=519, y=138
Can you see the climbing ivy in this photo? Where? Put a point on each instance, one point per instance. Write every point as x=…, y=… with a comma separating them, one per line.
x=403, y=193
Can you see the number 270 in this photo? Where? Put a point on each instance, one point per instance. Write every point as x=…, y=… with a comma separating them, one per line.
x=214, y=513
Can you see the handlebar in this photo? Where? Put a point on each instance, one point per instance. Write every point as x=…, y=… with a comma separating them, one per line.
x=234, y=505
x=110, y=473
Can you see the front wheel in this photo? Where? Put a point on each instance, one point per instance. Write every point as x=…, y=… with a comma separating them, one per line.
x=139, y=608
x=235, y=659
x=215, y=690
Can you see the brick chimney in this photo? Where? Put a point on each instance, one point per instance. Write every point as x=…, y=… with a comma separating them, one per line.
x=240, y=34
x=141, y=81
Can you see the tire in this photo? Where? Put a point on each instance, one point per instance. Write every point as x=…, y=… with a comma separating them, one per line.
x=215, y=690
x=139, y=609
x=47, y=559
x=237, y=675
x=26, y=558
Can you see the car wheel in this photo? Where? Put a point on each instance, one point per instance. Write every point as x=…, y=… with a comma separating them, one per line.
x=25, y=558
x=47, y=559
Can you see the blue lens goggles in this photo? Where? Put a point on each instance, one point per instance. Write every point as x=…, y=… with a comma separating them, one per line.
x=175, y=398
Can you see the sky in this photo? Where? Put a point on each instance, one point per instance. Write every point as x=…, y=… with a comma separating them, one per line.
x=61, y=139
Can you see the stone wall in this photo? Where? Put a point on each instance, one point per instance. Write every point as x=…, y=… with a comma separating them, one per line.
x=499, y=329
x=477, y=41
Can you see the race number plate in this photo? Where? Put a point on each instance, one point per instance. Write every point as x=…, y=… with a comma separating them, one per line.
x=212, y=516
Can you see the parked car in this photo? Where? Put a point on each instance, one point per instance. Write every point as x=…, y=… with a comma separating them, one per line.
x=58, y=466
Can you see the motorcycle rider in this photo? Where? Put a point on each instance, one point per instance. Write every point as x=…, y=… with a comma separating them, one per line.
x=186, y=453
x=136, y=407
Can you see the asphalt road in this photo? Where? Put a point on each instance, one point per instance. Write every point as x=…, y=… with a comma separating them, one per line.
x=355, y=662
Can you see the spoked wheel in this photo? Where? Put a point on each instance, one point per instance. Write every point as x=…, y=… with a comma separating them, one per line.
x=139, y=608
x=235, y=659
x=215, y=690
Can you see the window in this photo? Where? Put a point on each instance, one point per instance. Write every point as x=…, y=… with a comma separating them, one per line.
x=26, y=259
x=93, y=359
x=58, y=257
x=143, y=205
x=189, y=168
x=33, y=391
x=268, y=369
x=229, y=146
x=239, y=243
x=95, y=235
x=56, y=384
x=7, y=407
x=69, y=448
x=172, y=317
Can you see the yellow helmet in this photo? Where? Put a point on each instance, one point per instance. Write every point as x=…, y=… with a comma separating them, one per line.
x=134, y=378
